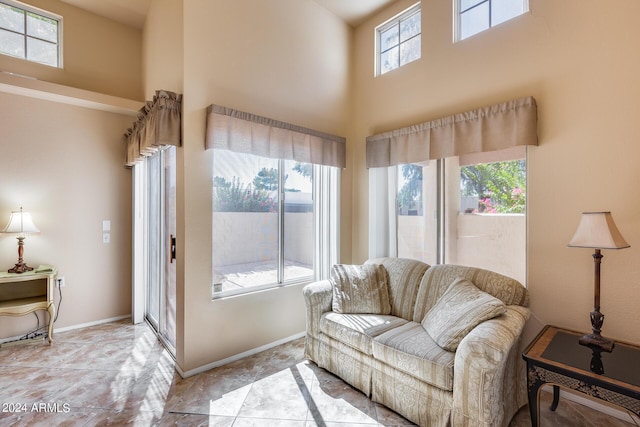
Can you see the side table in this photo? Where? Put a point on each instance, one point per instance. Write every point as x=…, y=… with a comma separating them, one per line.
x=27, y=292
x=555, y=357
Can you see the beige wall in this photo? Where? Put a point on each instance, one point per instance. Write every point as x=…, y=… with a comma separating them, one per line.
x=100, y=55
x=579, y=60
x=63, y=163
x=288, y=60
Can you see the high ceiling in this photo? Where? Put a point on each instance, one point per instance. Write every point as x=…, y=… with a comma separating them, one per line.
x=133, y=12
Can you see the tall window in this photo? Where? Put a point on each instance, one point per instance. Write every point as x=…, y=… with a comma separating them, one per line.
x=475, y=16
x=268, y=219
x=398, y=41
x=29, y=33
x=464, y=211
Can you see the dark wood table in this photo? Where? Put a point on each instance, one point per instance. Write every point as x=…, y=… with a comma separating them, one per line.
x=555, y=357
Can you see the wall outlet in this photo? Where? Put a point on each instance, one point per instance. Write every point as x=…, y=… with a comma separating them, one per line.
x=60, y=282
x=106, y=238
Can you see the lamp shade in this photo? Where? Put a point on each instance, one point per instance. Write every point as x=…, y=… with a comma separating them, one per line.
x=597, y=230
x=20, y=223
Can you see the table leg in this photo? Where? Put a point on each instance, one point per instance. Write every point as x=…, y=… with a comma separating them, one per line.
x=556, y=398
x=533, y=387
x=52, y=311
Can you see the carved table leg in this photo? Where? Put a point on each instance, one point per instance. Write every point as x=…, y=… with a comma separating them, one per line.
x=533, y=385
x=556, y=398
x=52, y=311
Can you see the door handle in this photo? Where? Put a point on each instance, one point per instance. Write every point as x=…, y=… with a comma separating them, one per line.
x=172, y=248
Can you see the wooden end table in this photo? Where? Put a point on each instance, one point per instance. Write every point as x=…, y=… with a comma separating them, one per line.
x=555, y=357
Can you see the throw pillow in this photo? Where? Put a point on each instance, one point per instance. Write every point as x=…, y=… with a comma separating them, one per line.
x=360, y=289
x=460, y=309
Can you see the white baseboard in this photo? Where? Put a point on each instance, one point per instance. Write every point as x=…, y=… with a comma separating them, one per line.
x=70, y=328
x=204, y=368
x=94, y=323
x=582, y=399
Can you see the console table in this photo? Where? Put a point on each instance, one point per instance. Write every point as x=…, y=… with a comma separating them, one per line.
x=555, y=357
x=25, y=293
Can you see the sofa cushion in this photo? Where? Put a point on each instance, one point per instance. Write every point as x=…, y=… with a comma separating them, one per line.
x=405, y=276
x=360, y=289
x=357, y=330
x=462, y=307
x=410, y=349
x=438, y=278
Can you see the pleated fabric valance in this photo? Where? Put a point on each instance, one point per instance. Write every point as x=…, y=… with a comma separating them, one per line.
x=492, y=128
x=247, y=133
x=159, y=124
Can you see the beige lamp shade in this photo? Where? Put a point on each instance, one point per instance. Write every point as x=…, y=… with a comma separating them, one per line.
x=597, y=230
x=20, y=223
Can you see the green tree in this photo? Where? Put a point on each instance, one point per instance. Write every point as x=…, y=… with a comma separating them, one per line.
x=266, y=179
x=410, y=195
x=500, y=187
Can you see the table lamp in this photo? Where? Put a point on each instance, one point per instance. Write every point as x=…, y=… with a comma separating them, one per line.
x=597, y=230
x=20, y=223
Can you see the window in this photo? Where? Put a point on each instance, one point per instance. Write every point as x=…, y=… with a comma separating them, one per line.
x=464, y=211
x=271, y=219
x=30, y=33
x=398, y=41
x=475, y=16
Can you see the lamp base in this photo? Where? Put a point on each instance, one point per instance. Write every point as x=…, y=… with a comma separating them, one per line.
x=598, y=341
x=20, y=267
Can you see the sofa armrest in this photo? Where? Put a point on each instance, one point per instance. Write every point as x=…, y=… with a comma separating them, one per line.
x=488, y=382
x=318, y=297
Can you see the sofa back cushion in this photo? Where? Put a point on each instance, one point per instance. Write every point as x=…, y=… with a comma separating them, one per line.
x=405, y=276
x=438, y=278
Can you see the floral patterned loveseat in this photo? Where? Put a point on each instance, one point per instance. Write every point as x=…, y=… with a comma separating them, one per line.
x=392, y=329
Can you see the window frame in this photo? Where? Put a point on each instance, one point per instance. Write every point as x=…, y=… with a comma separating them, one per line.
x=457, y=17
x=325, y=195
x=28, y=9
x=396, y=20
x=447, y=180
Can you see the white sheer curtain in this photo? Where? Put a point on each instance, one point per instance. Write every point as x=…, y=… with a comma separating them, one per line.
x=383, y=183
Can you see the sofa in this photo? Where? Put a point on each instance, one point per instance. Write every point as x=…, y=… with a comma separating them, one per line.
x=408, y=336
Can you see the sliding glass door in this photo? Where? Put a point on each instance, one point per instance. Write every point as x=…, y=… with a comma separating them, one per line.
x=158, y=226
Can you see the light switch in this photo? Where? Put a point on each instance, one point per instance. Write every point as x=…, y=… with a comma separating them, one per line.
x=106, y=225
x=106, y=238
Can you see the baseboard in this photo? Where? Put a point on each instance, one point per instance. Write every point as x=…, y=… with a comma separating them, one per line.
x=611, y=410
x=70, y=328
x=94, y=323
x=204, y=368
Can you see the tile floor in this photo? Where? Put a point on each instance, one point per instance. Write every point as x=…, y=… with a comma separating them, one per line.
x=118, y=374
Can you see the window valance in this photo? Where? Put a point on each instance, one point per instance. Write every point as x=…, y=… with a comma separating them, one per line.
x=159, y=123
x=247, y=133
x=492, y=128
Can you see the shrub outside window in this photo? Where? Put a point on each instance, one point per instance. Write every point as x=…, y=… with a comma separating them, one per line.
x=475, y=16
x=398, y=41
x=30, y=33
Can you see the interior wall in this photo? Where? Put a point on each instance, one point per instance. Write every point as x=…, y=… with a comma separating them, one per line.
x=100, y=55
x=288, y=60
x=579, y=60
x=64, y=164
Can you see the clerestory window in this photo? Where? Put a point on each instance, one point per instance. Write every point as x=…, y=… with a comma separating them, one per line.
x=30, y=33
x=398, y=41
x=475, y=16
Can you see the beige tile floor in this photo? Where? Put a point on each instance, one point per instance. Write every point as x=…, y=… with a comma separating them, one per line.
x=118, y=374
